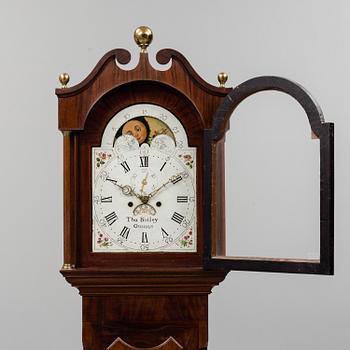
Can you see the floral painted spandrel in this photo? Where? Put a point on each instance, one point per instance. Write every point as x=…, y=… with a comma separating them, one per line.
x=103, y=241
x=187, y=158
x=186, y=241
x=101, y=158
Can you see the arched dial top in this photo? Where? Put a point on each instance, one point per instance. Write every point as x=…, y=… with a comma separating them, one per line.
x=165, y=120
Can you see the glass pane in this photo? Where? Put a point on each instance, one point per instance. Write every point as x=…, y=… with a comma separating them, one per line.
x=272, y=180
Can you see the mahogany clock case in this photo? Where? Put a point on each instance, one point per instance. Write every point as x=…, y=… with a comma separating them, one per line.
x=143, y=299
x=86, y=109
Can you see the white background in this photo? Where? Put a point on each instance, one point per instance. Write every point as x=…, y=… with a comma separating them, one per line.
x=306, y=41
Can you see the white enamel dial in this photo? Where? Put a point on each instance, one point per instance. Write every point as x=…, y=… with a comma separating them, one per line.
x=144, y=187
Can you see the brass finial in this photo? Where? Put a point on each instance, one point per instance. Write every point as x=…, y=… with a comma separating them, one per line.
x=222, y=78
x=64, y=79
x=143, y=37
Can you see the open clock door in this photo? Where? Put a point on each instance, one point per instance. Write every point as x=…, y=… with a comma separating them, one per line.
x=215, y=248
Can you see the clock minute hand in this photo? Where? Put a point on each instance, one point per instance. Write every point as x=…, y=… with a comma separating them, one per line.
x=173, y=178
x=158, y=189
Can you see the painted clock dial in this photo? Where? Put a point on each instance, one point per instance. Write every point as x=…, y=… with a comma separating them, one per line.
x=144, y=184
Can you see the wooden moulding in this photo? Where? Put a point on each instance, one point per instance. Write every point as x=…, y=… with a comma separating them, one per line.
x=132, y=282
x=169, y=344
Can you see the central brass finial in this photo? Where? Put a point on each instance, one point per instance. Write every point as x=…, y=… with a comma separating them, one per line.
x=143, y=37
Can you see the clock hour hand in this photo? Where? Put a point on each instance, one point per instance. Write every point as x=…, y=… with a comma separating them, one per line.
x=126, y=189
x=144, y=183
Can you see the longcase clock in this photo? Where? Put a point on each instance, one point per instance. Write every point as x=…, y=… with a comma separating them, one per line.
x=144, y=238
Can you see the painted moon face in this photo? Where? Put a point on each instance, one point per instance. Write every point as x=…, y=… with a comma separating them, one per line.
x=137, y=129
